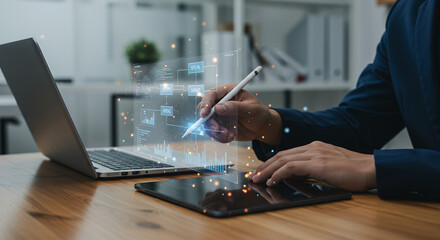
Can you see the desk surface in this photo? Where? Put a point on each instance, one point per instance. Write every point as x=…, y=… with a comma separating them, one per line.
x=41, y=199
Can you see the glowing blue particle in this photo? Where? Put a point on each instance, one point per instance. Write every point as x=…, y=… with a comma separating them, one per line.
x=286, y=130
x=305, y=108
x=258, y=194
x=272, y=150
x=163, y=171
x=123, y=140
x=174, y=159
x=175, y=170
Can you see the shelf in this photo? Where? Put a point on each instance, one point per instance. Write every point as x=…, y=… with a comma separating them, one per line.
x=295, y=87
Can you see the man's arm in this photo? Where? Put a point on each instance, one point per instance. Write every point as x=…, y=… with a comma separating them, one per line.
x=367, y=118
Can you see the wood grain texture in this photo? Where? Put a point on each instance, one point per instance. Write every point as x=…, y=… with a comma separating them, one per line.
x=41, y=199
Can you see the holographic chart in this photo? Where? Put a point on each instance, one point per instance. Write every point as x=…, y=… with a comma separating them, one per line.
x=167, y=95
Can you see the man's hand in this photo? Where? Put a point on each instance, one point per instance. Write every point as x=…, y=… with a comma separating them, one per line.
x=325, y=162
x=244, y=115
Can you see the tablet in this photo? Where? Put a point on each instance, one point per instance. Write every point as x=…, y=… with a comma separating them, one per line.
x=220, y=196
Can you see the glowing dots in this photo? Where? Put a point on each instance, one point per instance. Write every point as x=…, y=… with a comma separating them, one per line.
x=286, y=130
x=190, y=153
x=216, y=74
x=199, y=94
x=256, y=94
x=216, y=183
x=125, y=118
x=204, y=24
x=214, y=59
x=225, y=187
x=270, y=105
x=42, y=36
x=174, y=159
x=132, y=135
x=244, y=190
x=204, y=210
x=194, y=19
x=248, y=148
x=193, y=185
x=235, y=127
x=123, y=140
x=166, y=65
x=132, y=119
x=305, y=109
x=173, y=45
x=138, y=149
x=119, y=99
x=210, y=180
x=246, y=210
x=122, y=114
x=189, y=39
x=246, y=175
x=262, y=137
x=198, y=174
x=272, y=150
x=258, y=173
x=273, y=66
x=181, y=94
x=247, y=164
x=229, y=194
x=145, y=45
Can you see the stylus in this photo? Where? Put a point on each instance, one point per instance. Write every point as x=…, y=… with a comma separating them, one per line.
x=226, y=98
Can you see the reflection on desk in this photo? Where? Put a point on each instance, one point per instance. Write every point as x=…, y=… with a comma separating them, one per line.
x=41, y=199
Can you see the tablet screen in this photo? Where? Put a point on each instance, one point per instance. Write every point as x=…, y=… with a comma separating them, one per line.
x=218, y=197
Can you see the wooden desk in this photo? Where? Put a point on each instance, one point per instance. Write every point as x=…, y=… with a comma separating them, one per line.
x=40, y=199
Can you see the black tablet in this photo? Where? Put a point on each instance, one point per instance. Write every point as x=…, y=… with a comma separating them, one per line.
x=233, y=194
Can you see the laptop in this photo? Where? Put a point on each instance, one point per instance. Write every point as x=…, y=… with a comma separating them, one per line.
x=46, y=115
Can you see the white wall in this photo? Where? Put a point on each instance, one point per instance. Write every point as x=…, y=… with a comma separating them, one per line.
x=103, y=31
x=50, y=22
x=86, y=40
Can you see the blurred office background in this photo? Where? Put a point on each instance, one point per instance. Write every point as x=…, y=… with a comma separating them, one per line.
x=313, y=52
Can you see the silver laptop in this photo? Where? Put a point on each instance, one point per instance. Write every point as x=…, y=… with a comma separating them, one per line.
x=42, y=106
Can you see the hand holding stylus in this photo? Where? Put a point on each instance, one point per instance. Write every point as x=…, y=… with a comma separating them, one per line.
x=242, y=118
x=226, y=98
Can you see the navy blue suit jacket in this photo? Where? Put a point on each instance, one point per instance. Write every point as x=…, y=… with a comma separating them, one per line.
x=401, y=88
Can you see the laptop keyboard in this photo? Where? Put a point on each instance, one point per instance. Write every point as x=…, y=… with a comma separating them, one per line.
x=117, y=160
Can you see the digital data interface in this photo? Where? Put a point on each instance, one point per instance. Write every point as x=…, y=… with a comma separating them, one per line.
x=166, y=105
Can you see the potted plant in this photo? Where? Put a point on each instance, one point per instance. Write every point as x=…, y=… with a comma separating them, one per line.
x=142, y=52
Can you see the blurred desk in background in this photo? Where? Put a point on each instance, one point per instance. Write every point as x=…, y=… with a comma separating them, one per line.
x=41, y=199
x=9, y=112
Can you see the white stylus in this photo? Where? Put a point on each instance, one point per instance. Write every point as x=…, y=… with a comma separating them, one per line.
x=226, y=98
